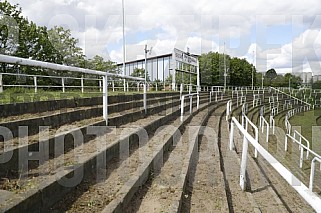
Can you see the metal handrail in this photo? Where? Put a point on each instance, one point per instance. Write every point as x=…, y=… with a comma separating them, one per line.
x=313, y=171
x=191, y=103
x=262, y=121
x=228, y=109
x=300, y=140
x=311, y=198
x=245, y=122
x=59, y=67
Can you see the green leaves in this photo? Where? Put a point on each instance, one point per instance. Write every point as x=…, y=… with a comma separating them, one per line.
x=239, y=71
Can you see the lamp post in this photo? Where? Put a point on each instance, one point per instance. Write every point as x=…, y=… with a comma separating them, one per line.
x=225, y=74
x=253, y=73
x=145, y=84
x=124, y=44
x=262, y=79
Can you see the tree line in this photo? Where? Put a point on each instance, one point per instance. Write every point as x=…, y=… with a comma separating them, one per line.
x=23, y=38
x=239, y=72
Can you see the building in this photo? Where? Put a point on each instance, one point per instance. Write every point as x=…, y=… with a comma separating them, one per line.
x=173, y=69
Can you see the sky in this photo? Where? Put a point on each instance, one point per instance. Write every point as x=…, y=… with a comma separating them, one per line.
x=284, y=35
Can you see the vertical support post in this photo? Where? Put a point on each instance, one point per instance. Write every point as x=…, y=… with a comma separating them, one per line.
x=145, y=99
x=63, y=85
x=190, y=104
x=100, y=85
x=244, y=164
x=181, y=90
x=232, y=136
x=124, y=85
x=210, y=97
x=1, y=83
x=113, y=85
x=105, y=99
x=82, y=84
x=127, y=86
x=312, y=175
x=35, y=83
x=301, y=157
x=182, y=108
x=198, y=102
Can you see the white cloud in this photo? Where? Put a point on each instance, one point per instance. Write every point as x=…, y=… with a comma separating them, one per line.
x=201, y=25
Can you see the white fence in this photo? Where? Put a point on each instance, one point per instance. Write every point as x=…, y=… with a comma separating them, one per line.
x=311, y=198
x=190, y=103
x=59, y=67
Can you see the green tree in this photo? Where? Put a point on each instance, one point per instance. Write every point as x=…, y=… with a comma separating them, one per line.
x=270, y=75
x=62, y=41
x=140, y=73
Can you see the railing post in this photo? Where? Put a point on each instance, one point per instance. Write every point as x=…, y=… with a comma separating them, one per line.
x=63, y=85
x=210, y=97
x=82, y=84
x=243, y=164
x=124, y=85
x=190, y=104
x=35, y=83
x=1, y=83
x=113, y=85
x=312, y=175
x=198, y=102
x=182, y=108
x=232, y=136
x=145, y=99
x=181, y=90
x=127, y=86
x=100, y=85
x=301, y=157
x=105, y=99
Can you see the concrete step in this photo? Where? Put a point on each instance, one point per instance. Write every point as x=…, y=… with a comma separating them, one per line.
x=205, y=191
x=165, y=190
x=86, y=158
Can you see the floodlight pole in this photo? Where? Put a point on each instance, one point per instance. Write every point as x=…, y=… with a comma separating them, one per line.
x=145, y=84
x=225, y=74
x=253, y=73
x=262, y=79
x=124, y=44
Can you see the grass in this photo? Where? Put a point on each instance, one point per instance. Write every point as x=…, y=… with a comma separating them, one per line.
x=21, y=95
x=306, y=121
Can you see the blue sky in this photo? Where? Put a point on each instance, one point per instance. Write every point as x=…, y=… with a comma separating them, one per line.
x=284, y=35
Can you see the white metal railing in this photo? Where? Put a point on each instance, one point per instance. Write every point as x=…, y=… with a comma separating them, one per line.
x=190, y=103
x=313, y=171
x=245, y=122
x=274, y=111
x=301, y=137
x=58, y=67
x=262, y=122
x=317, y=157
x=288, y=125
x=62, y=81
x=228, y=109
x=216, y=93
x=311, y=198
x=240, y=100
x=295, y=98
x=272, y=124
x=245, y=108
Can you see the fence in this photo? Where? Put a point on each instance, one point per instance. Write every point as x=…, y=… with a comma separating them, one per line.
x=190, y=103
x=59, y=67
x=311, y=198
